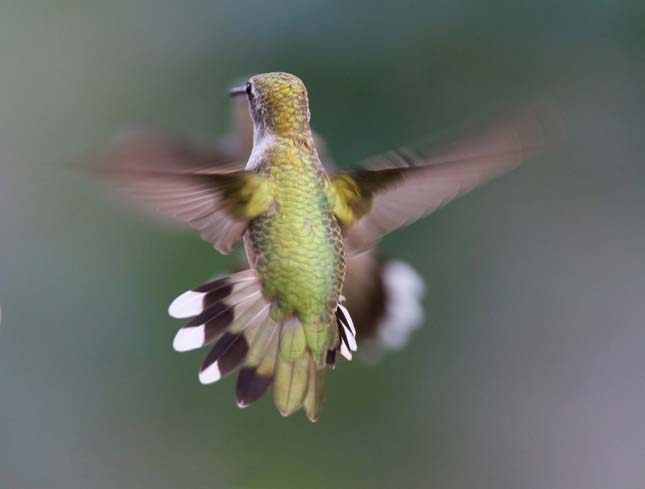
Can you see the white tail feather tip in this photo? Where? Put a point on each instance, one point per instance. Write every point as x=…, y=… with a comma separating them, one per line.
x=344, y=351
x=351, y=340
x=210, y=374
x=403, y=312
x=188, y=339
x=350, y=321
x=187, y=305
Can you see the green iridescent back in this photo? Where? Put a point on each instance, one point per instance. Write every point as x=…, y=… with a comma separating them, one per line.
x=298, y=244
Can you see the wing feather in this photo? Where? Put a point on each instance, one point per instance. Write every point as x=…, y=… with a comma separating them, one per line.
x=187, y=184
x=401, y=187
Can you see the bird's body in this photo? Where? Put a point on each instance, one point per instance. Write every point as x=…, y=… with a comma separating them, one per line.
x=282, y=321
x=296, y=246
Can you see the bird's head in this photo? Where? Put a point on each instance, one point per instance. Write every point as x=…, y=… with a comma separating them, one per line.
x=278, y=103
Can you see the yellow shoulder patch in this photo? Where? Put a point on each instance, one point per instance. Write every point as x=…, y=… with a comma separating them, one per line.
x=247, y=195
x=351, y=194
x=346, y=199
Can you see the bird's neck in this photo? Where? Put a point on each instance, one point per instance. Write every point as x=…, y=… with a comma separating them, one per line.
x=267, y=143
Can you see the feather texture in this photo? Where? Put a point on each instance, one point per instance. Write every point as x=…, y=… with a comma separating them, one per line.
x=217, y=200
x=395, y=190
x=290, y=387
x=315, y=391
x=233, y=313
x=256, y=375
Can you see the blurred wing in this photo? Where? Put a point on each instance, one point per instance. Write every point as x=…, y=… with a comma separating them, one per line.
x=153, y=150
x=215, y=199
x=394, y=190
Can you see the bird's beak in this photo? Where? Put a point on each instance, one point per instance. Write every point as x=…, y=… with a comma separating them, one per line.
x=237, y=91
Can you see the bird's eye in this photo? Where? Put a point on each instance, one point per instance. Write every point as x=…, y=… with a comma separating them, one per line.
x=248, y=88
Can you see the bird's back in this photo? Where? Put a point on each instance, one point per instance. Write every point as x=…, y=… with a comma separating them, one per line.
x=297, y=245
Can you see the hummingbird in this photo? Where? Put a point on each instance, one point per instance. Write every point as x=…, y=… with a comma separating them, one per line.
x=384, y=294
x=307, y=232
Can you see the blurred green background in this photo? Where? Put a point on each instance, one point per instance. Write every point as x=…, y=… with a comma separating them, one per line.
x=530, y=369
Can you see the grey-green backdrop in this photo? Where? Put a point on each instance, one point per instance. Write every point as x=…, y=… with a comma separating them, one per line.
x=530, y=369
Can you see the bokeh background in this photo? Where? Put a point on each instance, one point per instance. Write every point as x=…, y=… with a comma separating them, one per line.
x=530, y=369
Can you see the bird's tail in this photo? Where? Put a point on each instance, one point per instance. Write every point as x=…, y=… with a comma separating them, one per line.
x=385, y=298
x=232, y=313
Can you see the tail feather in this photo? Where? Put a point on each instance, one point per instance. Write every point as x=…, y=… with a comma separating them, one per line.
x=405, y=290
x=346, y=343
x=315, y=391
x=227, y=354
x=211, y=307
x=291, y=370
x=256, y=374
x=290, y=386
x=233, y=313
x=195, y=301
x=347, y=332
x=232, y=349
x=293, y=342
x=331, y=358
